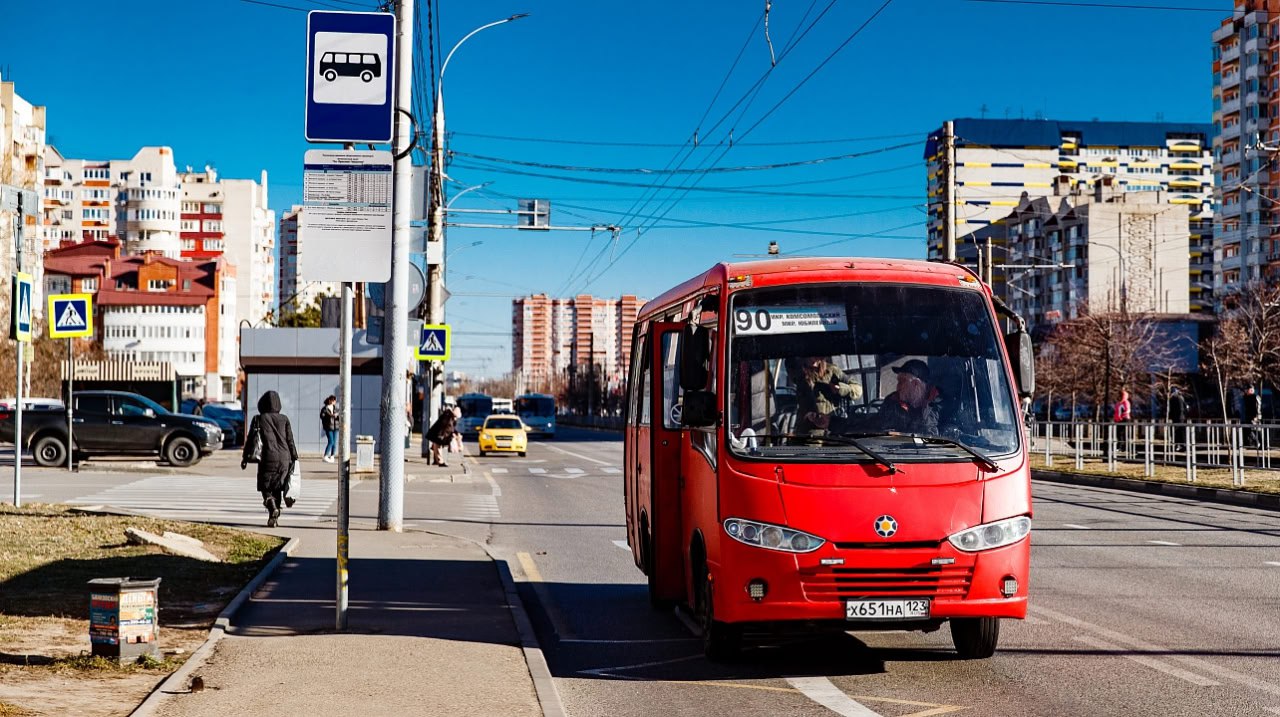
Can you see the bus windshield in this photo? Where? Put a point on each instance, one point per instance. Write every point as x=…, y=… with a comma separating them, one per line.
x=527, y=406
x=475, y=405
x=824, y=372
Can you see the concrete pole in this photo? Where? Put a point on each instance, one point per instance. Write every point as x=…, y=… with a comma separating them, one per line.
x=396, y=322
x=344, y=459
x=949, y=204
x=17, y=409
x=433, y=393
x=71, y=401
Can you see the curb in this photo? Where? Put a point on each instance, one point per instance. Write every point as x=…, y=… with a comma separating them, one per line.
x=176, y=681
x=544, y=685
x=1267, y=501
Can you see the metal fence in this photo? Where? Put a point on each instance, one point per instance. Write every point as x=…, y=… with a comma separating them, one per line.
x=1235, y=447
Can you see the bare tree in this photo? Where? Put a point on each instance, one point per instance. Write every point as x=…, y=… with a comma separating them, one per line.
x=1255, y=312
x=1224, y=356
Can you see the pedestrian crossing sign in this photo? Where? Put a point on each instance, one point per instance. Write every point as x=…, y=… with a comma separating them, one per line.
x=20, y=325
x=434, y=344
x=70, y=315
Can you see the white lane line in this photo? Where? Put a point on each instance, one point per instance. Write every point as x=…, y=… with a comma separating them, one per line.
x=611, y=470
x=1151, y=662
x=1164, y=542
x=538, y=471
x=822, y=691
x=574, y=471
x=1076, y=527
x=1274, y=563
x=577, y=455
x=622, y=544
x=1195, y=662
x=497, y=470
x=497, y=489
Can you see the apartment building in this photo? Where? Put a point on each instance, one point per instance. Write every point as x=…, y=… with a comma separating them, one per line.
x=22, y=146
x=294, y=292
x=1246, y=139
x=997, y=161
x=150, y=307
x=1115, y=250
x=549, y=336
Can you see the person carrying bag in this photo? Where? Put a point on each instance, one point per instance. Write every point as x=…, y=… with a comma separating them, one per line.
x=271, y=446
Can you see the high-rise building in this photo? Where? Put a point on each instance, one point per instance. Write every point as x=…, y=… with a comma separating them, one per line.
x=1246, y=139
x=996, y=161
x=294, y=291
x=22, y=146
x=1127, y=251
x=549, y=336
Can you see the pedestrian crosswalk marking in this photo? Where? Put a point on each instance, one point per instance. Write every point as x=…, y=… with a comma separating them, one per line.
x=574, y=470
x=70, y=319
x=538, y=470
x=211, y=499
x=499, y=470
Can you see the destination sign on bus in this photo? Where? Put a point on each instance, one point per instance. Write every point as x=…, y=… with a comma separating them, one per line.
x=791, y=319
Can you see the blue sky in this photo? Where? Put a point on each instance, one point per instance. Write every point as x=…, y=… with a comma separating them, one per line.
x=221, y=82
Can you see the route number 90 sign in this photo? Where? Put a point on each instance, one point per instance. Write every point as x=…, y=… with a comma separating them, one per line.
x=760, y=320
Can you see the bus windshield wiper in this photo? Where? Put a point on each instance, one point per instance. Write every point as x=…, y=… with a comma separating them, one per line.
x=840, y=441
x=983, y=461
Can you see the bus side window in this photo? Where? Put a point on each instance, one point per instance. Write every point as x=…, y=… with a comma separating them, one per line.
x=671, y=393
x=639, y=409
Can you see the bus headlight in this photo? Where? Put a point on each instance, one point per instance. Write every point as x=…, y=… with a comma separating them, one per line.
x=773, y=537
x=992, y=535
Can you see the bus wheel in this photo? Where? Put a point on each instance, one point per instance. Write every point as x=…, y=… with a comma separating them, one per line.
x=721, y=642
x=975, y=638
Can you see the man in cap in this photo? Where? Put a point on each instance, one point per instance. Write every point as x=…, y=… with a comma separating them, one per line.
x=909, y=409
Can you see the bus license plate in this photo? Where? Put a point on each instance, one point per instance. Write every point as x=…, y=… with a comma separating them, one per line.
x=886, y=609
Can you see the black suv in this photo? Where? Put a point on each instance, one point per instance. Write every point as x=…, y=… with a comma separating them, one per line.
x=115, y=423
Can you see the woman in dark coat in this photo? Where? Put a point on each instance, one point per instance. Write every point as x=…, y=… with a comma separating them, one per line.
x=278, y=453
x=440, y=434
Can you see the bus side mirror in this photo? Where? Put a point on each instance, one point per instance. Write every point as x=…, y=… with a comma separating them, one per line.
x=698, y=409
x=1023, y=356
x=695, y=357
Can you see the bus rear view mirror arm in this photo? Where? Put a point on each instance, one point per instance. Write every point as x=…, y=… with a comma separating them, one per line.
x=1022, y=357
x=698, y=409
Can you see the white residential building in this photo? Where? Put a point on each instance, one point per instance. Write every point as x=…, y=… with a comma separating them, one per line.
x=22, y=143
x=295, y=293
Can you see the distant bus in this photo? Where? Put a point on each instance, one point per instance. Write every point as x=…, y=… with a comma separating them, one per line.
x=504, y=405
x=475, y=408
x=538, y=411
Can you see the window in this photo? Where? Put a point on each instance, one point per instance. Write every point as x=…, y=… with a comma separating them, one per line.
x=89, y=284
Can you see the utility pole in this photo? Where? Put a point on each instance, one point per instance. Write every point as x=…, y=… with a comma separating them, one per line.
x=949, y=203
x=433, y=392
x=19, y=347
x=991, y=260
x=396, y=323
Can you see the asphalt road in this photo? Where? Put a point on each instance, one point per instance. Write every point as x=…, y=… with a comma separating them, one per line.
x=1140, y=605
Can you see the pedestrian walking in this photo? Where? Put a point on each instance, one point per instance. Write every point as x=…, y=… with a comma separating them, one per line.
x=330, y=421
x=1177, y=415
x=271, y=431
x=1121, y=414
x=1253, y=417
x=440, y=434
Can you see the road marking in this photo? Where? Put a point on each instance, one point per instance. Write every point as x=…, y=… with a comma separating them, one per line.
x=1272, y=562
x=1077, y=527
x=537, y=471
x=611, y=470
x=622, y=544
x=574, y=471
x=628, y=642
x=1151, y=662
x=497, y=489
x=1164, y=542
x=578, y=455
x=612, y=671
x=529, y=568
x=822, y=691
x=497, y=470
x=1195, y=662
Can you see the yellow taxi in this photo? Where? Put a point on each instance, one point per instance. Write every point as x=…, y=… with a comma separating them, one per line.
x=503, y=433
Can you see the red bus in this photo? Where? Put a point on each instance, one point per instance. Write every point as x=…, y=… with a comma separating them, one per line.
x=831, y=444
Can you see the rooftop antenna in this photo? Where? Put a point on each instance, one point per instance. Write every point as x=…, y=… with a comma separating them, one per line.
x=773, y=248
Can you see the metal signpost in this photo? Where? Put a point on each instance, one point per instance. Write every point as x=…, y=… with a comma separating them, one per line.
x=346, y=222
x=19, y=331
x=70, y=317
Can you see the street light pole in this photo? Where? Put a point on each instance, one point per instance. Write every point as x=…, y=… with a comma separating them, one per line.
x=435, y=272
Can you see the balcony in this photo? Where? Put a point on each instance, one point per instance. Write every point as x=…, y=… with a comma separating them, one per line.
x=1231, y=131
x=1230, y=210
x=1230, y=79
x=1223, y=32
x=1230, y=159
x=1231, y=106
x=1230, y=54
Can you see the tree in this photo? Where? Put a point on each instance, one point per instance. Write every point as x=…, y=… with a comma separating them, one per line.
x=1225, y=357
x=308, y=317
x=1254, y=312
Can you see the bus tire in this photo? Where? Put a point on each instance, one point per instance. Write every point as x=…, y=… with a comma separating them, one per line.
x=50, y=452
x=721, y=642
x=975, y=638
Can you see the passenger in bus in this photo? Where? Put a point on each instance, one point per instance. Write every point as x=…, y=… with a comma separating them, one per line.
x=819, y=389
x=910, y=409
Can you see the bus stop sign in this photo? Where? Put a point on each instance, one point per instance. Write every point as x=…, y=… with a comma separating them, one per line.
x=350, y=67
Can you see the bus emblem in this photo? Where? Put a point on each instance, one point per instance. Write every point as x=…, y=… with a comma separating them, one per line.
x=886, y=526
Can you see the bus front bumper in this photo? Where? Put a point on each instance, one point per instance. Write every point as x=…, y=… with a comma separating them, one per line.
x=801, y=588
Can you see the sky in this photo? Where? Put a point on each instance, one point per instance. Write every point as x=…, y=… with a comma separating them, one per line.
x=843, y=91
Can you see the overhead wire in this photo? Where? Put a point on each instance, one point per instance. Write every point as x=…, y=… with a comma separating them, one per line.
x=603, y=143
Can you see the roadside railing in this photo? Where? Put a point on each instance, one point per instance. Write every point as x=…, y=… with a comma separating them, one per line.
x=1234, y=447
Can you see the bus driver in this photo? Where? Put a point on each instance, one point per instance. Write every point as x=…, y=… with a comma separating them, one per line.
x=909, y=409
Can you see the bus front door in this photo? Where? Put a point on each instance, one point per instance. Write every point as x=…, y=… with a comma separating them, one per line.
x=659, y=470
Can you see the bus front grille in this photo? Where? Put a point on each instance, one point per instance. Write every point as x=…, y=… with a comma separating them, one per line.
x=926, y=581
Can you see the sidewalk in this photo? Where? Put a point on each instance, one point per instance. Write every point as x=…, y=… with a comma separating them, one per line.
x=430, y=632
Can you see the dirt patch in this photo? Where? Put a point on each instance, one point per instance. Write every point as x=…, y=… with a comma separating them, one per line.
x=47, y=556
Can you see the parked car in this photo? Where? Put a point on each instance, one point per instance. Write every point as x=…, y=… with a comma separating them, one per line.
x=115, y=423
x=230, y=420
